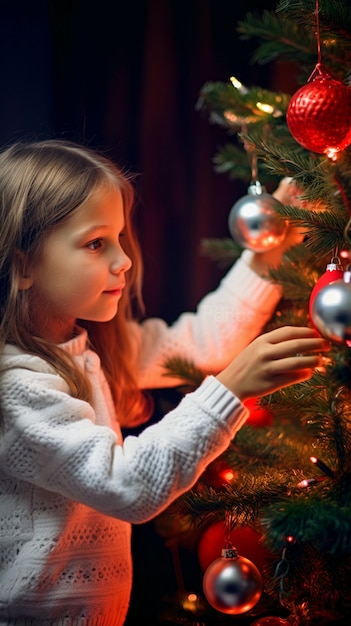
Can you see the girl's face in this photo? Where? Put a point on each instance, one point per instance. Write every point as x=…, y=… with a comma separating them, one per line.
x=81, y=271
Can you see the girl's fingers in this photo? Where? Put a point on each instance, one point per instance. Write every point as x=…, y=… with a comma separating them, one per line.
x=290, y=341
x=285, y=333
x=285, y=380
x=282, y=357
x=298, y=348
x=296, y=363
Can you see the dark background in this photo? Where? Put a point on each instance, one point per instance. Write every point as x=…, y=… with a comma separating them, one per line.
x=124, y=76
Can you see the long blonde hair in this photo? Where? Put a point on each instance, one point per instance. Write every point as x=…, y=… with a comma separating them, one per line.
x=41, y=183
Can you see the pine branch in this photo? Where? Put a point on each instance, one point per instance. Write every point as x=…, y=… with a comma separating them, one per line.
x=243, y=499
x=180, y=367
x=278, y=38
x=223, y=251
x=324, y=229
x=279, y=35
x=310, y=521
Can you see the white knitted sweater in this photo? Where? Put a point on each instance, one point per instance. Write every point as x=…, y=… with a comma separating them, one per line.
x=69, y=486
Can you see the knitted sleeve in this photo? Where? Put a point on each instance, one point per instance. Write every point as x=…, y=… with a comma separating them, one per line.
x=50, y=440
x=225, y=321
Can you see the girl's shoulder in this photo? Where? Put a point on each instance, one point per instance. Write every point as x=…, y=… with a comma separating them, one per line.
x=15, y=358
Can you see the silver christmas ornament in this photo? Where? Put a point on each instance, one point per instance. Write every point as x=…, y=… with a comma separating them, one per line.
x=331, y=310
x=232, y=584
x=253, y=222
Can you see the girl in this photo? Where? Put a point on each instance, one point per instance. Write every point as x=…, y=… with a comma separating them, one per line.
x=72, y=372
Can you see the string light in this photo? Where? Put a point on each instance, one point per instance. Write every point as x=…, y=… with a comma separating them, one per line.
x=238, y=85
x=191, y=602
x=269, y=109
x=322, y=466
x=227, y=475
x=308, y=482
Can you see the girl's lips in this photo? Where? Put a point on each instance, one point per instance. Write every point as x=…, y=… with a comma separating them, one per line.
x=114, y=292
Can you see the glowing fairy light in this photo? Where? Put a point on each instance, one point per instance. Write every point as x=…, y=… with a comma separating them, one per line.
x=268, y=109
x=322, y=466
x=265, y=108
x=238, y=85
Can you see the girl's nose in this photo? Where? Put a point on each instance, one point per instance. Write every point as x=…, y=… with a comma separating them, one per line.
x=121, y=263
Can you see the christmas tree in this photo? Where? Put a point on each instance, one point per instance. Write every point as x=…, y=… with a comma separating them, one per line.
x=284, y=485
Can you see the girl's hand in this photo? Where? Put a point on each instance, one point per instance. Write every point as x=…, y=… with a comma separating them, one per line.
x=277, y=359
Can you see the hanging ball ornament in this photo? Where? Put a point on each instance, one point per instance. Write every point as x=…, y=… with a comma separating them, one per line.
x=254, y=223
x=232, y=584
x=331, y=310
x=334, y=271
x=319, y=113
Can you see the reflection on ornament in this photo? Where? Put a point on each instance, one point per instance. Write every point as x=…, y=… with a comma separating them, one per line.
x=333, y=272
x=253, y=222
x=319, y=114
x=331, y=311
x=271, y=621
x=232, y=584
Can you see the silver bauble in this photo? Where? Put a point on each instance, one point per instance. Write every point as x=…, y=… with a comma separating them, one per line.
x=232, y=585
x=253, y=222
x=331, y=311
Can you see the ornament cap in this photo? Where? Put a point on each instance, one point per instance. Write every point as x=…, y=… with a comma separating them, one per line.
x=229, y=553
x=255, y=188
x=334, y=264
x=320, y=72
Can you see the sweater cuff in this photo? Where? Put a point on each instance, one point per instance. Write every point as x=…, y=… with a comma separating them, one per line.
x=216, y=398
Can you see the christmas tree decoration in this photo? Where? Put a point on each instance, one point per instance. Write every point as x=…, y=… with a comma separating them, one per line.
x=322, y=466
x=331, y=310
x=319, y=114
x=232, y=584
x=334, y=271
x=292, y=477
x=260, y=416
x=253, y=220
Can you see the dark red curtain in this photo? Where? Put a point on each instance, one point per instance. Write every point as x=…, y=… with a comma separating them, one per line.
x=124, y=76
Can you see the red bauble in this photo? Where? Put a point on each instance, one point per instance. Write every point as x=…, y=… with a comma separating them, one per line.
x=246, y=541
x=259, y=415
x=319, y=114
x=333, y=272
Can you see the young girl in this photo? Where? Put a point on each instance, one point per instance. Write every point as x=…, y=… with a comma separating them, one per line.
x=72, y=372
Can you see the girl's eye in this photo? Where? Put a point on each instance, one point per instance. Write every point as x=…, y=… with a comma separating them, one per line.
x=95, y=244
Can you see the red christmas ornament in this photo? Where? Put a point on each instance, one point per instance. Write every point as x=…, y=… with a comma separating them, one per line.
x=246, y=540
x=319, y=114
x=259, y=415
x=333, y=272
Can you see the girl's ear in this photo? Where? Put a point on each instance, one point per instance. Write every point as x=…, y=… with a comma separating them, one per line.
x=24, y=277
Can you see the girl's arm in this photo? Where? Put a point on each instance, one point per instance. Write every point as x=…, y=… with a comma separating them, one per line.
x=56, y=442
x=225, y=321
